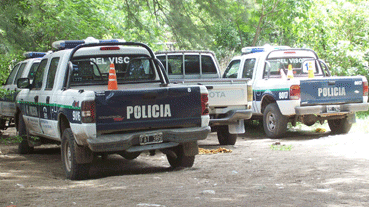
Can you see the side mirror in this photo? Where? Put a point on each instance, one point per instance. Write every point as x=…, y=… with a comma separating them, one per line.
x=23, y=83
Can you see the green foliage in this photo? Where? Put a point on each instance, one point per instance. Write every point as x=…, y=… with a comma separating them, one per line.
x=280, y=147
x=7, y=61
x=337, y=30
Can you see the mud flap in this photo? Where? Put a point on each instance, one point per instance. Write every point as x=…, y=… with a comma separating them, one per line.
x=238, y=128
x=351, y=118
x=83, y=154
x=190, y=148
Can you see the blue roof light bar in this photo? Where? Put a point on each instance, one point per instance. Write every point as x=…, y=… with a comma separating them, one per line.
x=34, y=54
x=247, y=50
x=69, y=44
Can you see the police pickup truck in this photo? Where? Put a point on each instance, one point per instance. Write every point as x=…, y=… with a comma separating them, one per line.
x=99, y=97
x=229, y=100
x=25, y=68
x=294, y=85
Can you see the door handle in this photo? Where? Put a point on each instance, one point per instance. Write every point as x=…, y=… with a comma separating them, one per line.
x=47, y=99
x=36, y=99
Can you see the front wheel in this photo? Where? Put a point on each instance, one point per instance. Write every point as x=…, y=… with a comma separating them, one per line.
x=180, y=160
x=274, y=123
x=73, y=170
x=224, y=137
x=339, y=126
x=24, y=146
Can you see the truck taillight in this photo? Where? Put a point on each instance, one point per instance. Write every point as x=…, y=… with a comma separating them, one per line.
x=295, y=92
x=88, y=111
x=365, y=88
x=249, y=94
x=204, y=104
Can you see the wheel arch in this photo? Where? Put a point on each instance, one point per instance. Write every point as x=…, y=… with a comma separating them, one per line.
x=266, y=100
x=16, y=117
x=63, y=123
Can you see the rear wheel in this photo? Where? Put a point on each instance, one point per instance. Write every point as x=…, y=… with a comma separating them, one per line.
x=129, y=155
x=274, y=123
x=24, y=146
x=180, y=160
x=224, y=137
x=73, y=170
x=339, y=126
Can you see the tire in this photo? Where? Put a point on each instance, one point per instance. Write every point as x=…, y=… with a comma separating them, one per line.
x=24, y=146
x=3, y=124
x=339, y=126
x=181, y=160
x=224, y=137
x=274, y=123
x=129, y=155
x=73, y=170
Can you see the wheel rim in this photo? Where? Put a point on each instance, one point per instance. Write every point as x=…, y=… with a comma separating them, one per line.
x=67, y=156
x=271, y=121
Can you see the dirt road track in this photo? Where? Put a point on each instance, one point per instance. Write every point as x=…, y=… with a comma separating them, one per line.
x=317, y=169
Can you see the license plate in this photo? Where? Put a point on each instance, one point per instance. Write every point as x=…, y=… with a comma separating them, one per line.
x=151, y=138
x=333, y=108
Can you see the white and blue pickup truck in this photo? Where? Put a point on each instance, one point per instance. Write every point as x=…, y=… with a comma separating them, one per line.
x=294, y=85
x=99, y=97
x=22, y=69
x=229, y=100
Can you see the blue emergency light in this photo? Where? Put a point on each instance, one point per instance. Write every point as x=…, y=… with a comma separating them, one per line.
x=34, y=54
x=247, y=50
x=69, y=44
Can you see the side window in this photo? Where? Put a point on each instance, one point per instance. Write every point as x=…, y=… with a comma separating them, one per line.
x=39, y=76
x=12, y=74
x=51, y=74
x=207, y=65
x=272, y=69
x=20, y=72
x=232, y=69
x=248, y=68
x=32, y=70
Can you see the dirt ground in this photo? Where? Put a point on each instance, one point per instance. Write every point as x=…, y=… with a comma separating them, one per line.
x=306, y=168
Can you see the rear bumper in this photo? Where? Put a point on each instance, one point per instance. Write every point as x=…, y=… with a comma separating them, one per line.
x=232, y=117
x=130, y=141
x=322, y=109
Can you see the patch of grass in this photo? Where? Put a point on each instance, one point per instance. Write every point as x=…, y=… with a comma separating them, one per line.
x=10, y=140
x=362, y=114
x=280, y=147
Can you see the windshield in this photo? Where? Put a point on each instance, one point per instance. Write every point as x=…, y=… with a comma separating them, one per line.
x=128, y=68
x=299, y=66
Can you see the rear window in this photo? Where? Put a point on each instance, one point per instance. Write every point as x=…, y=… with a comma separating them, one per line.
x=191, y=65
x=128, y=68
x=299, y=66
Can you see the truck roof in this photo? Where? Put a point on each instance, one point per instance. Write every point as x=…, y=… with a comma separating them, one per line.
x=277, y=52
x=185, y=51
